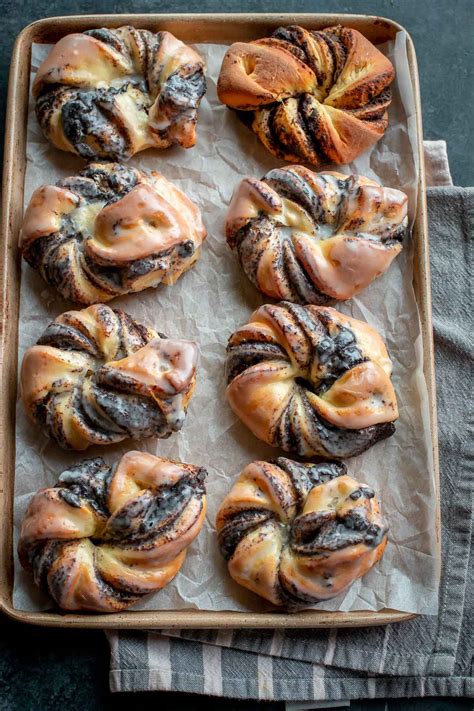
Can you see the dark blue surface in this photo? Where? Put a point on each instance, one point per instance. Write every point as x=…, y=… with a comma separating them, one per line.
x=44, y=669
x=65, y=670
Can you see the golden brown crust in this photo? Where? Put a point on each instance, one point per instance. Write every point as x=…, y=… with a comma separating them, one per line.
x=97, y=377
x=311, y=381
x=255, y=74
x=110, y=230
x=109, y=93
x=105, y=536
x=315, y=237
x=316, y=96
x=299, y=533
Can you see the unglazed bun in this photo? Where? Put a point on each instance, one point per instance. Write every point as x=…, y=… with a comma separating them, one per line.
x=317, y=97
x=313, y=238
x=297, y=533
x=311, y=380
x=110, y=230
x=109, y=93
x=96, y=376
x=103, y=536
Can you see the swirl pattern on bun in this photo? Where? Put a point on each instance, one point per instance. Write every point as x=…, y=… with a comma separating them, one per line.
x=313, y=96
x=109, y=93
x=313, y=238
x=311, y=380
x=96, y=376
x=110, y=230
x=103, y=536
x=297, y=534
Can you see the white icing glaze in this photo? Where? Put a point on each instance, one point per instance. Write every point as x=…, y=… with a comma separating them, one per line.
x=137, y=471
x=343, y=266
x=48, y=517
x=81, y=60
x=363, y=396
x=105, y=333
x=44, y=365
x=164, y=366
x=146, y=574
x=253, y=490
x=259, y=395
x=250, y=197
x=373, y=210
x=45, y=210
x=369, y=341
x=128, y=110
x=140, y=224
x=172, y=53
x=165, y=548
x=83, y=217
x=254, y=562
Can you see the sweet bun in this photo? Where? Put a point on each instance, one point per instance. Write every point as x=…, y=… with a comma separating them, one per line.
x=109, y=93
x=311, y=380
x=96, y=376
x=110, y=230
x=313, y=96
x=314, y=238
x=105, y=536
x=297, y=534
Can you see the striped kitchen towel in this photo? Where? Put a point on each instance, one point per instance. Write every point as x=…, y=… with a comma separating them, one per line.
x=427, y=656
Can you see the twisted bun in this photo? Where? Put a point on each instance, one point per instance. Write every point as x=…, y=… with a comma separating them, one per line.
x=299, y=533
x=313, y=238
x=109, y=93
x=317, y=97
x=103, y=536
x=96, y=376
x=109, y=231
x=312, y=381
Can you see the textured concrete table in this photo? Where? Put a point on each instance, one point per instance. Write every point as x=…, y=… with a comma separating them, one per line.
x=44, y=669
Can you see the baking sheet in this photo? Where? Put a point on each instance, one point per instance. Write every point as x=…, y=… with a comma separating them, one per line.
x=206, y=305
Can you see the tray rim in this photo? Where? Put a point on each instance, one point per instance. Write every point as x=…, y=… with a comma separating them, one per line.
x=13, y=175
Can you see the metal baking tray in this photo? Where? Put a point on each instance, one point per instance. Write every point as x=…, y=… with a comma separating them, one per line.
x=191, y=28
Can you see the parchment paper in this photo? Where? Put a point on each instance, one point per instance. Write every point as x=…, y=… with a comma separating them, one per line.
x=206, y=305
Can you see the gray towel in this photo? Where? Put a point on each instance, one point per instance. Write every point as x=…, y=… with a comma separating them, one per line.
x=427, y=656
